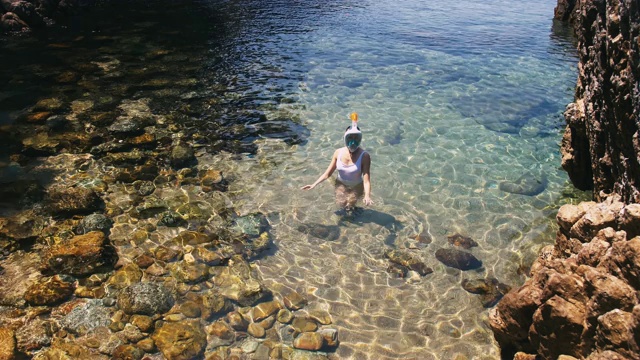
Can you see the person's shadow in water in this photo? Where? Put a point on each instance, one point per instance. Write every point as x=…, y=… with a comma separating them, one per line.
x=361, y=216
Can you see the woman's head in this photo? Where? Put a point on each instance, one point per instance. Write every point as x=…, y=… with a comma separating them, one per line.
x=353, y=135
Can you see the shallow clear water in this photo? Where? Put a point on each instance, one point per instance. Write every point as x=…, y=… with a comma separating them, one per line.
x=454, y=99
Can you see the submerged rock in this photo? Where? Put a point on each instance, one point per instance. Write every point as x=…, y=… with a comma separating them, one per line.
x=8, y=343
x=458, y=259
x=528, y=184
x=409, y=261
x=490, y=290
x=145, y=298
x=251, y=225
x=238, y=283
x=86, y=317
x=63, y=200
x=326, y=232
x=95, y=222
x=82, y=255
x=49, y=291
x=181, y=340
x=461, y=241
x=35, y=335
x=182, y=156
x=171, y=219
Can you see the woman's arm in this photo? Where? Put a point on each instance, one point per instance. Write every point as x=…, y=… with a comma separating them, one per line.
x=327, y=173
x=366, y=178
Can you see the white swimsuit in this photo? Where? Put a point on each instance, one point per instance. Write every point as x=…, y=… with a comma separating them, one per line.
x=350, y=175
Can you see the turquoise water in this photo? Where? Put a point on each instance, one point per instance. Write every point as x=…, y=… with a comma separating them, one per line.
x=454, y=99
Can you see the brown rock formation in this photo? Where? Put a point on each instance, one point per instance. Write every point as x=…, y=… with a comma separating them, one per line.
x=581, y=299
x=601, y=145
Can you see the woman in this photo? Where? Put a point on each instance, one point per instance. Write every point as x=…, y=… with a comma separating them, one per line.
x=353, y=165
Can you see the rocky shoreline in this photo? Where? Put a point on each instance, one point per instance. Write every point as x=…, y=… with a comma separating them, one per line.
x=26, y=15
x=580, y=301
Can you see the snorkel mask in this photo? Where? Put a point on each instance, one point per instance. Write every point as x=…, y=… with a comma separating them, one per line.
x=353, y=136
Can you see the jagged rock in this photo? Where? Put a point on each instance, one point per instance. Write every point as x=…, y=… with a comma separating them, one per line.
x=222, y=334
x=458, y=259
x=237, y=321
x=600, y=145
x=145, y=298
x=181, y=340
x=80, y=256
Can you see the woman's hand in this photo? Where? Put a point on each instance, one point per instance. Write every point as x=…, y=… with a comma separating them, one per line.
x=367, y=201
x=308, y=187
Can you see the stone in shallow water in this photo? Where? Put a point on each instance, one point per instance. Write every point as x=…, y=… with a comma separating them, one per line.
x=182, y=156
x=49, y=291
x=62, y=200
x=171, y=219
x=86, y=317
x=127, y=352
x=145, y=298
x=34, y=335
x=125, y=276
x=301, y=324
x=528, y=184
x=264, y=310
x=238, y=283
x=407, y=260
x=181, y=340
x=189, y=273
x=461, y=241
x=397, y=270
x=251, y=225
x=326, y=232
x=8, y=343
x=294, y=300
x=458, y=259
x=95, y=222
x=82, y=255
x=309, y=341
x=490, y=290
